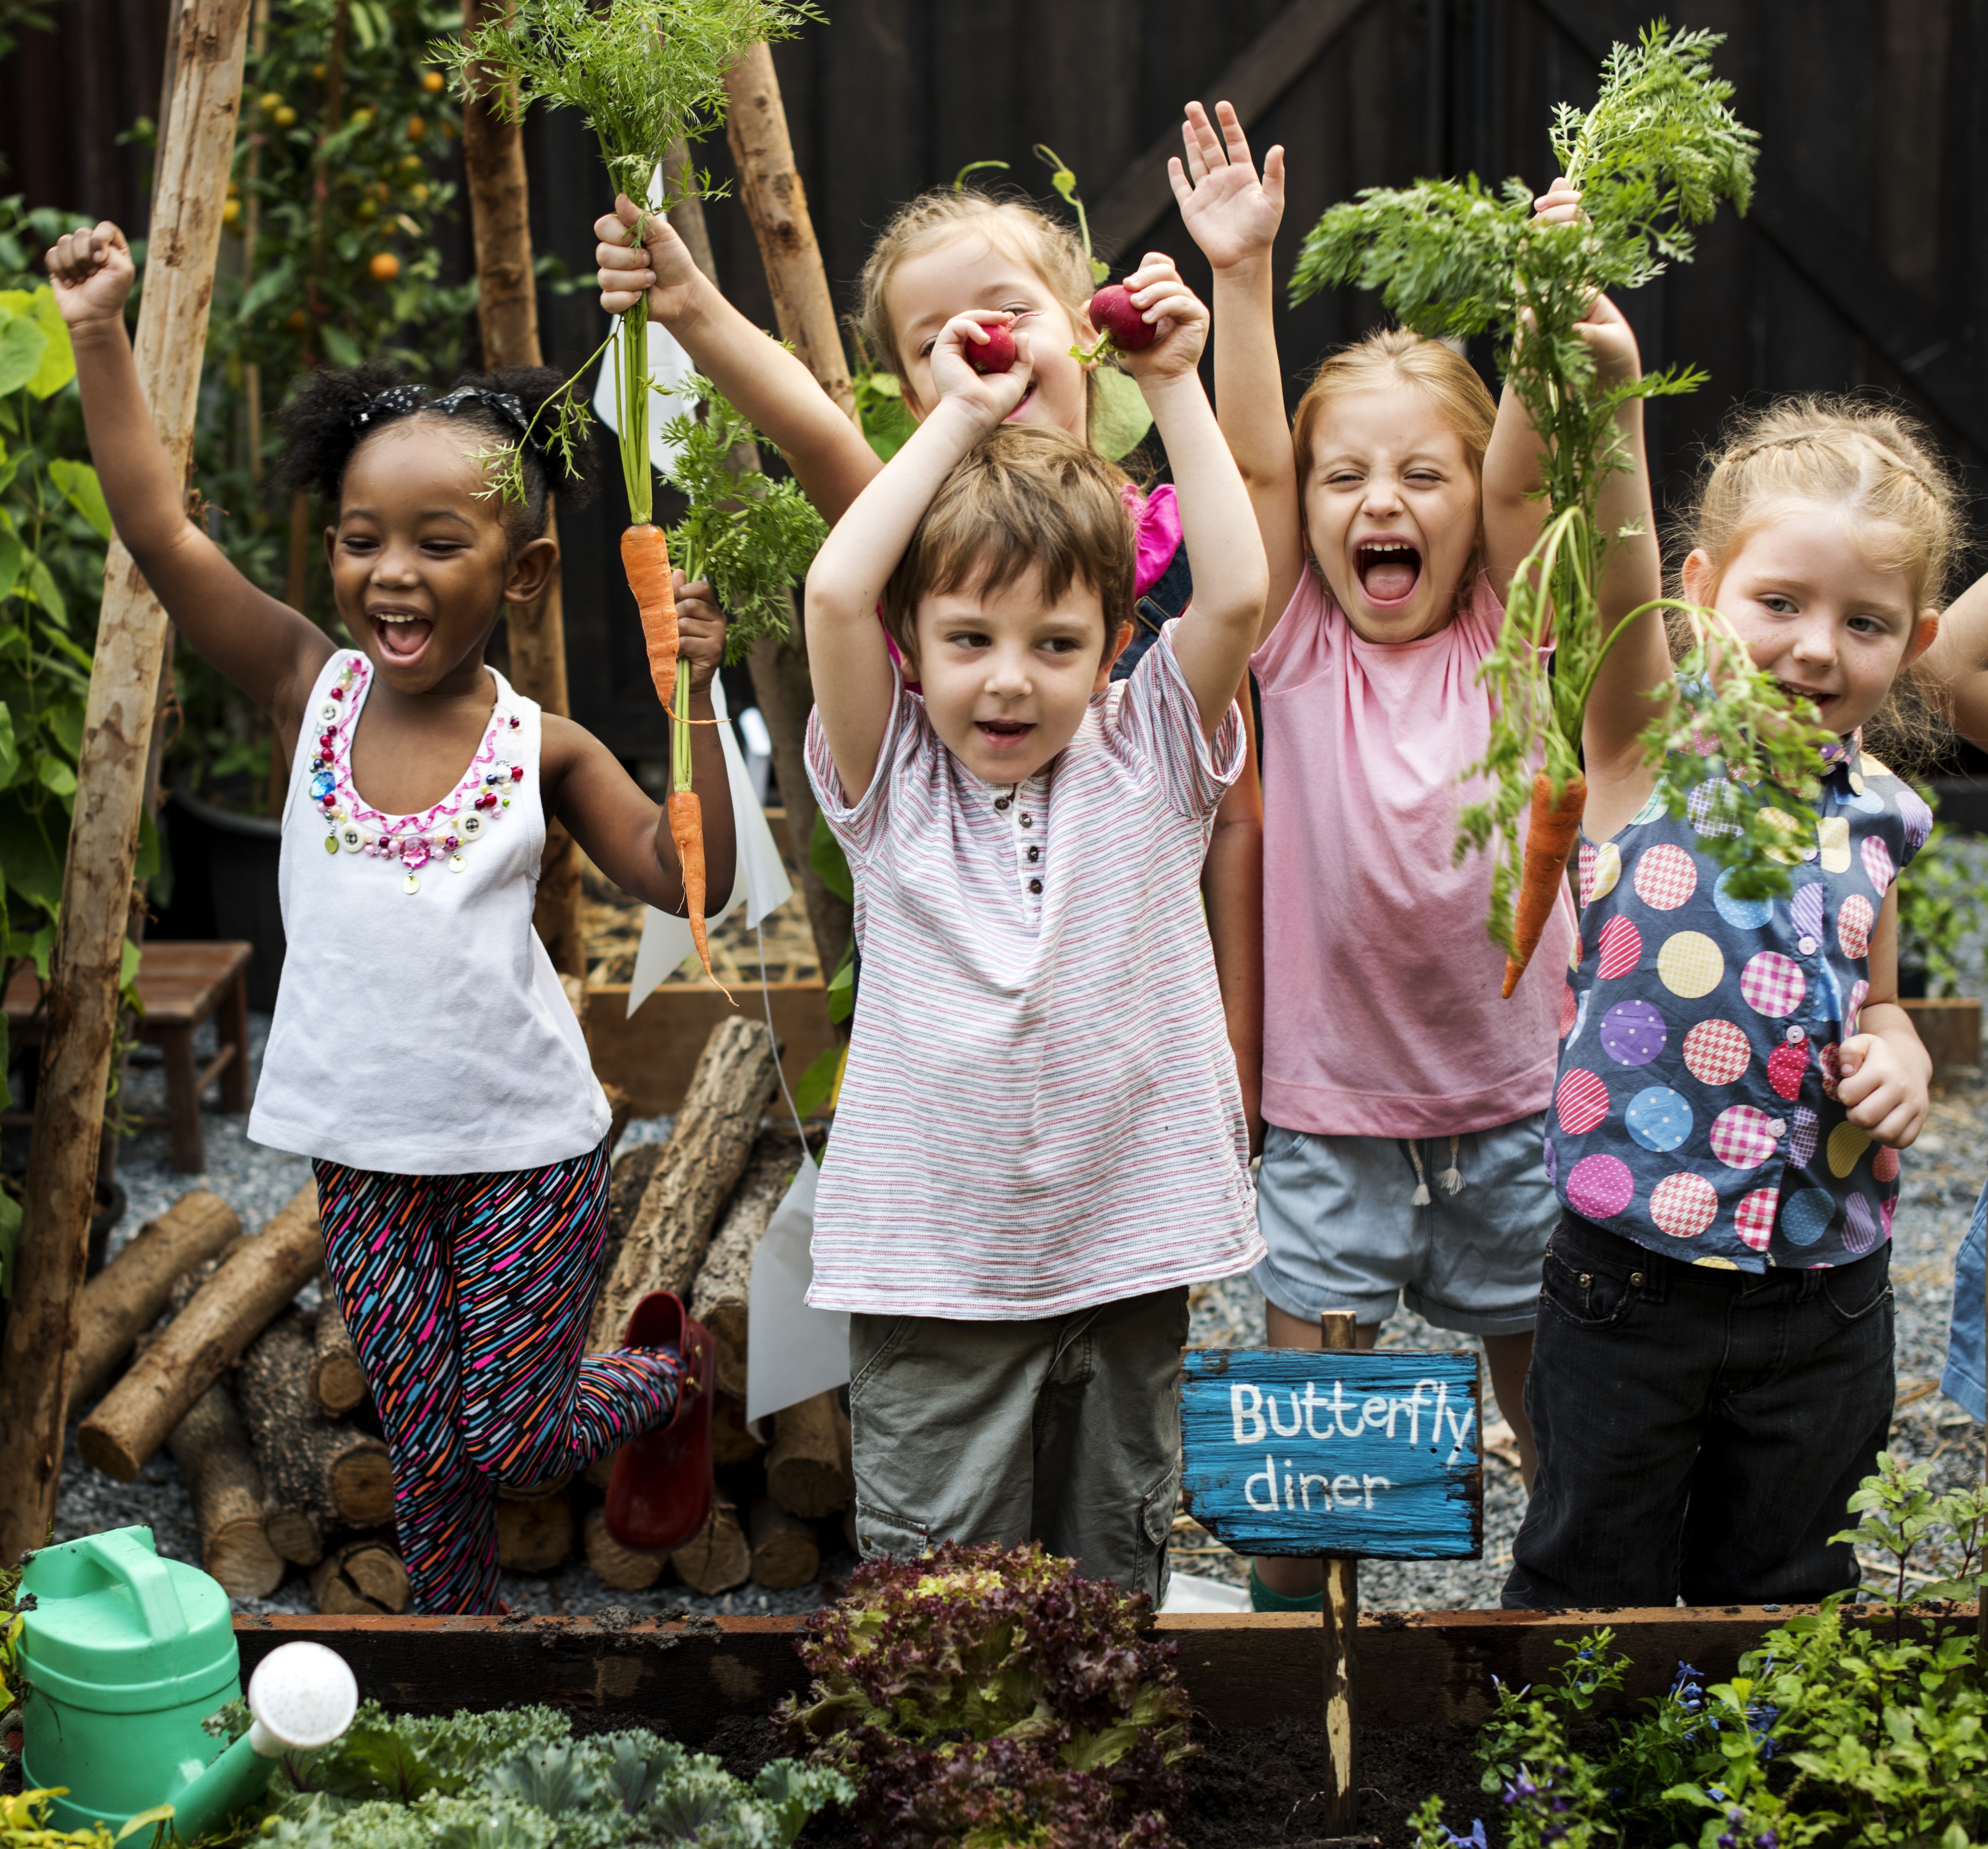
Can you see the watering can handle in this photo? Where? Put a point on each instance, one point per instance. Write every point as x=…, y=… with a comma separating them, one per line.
x=144, y=1575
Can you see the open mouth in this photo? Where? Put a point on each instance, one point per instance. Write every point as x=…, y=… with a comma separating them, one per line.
x=1023, y=406
x=1813, y=697
x=1389, y=569
x=401, y=634
x=1003, y=735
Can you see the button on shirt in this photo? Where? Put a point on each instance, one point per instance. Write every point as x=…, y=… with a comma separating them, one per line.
x=1696, y=1110
x=1021, y=1132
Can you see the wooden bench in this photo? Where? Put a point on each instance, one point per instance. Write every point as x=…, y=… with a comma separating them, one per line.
x=181, y=985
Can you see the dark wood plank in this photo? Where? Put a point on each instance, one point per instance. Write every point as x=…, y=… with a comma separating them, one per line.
x=1242, y=1671
x=1272, y=63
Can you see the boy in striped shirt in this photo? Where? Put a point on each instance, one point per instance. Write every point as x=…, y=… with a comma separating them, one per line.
x=1040, y=1141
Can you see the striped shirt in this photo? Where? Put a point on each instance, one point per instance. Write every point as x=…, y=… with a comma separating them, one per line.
x=1023, y=1131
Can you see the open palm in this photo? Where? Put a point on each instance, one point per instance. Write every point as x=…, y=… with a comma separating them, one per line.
x=1230, y=213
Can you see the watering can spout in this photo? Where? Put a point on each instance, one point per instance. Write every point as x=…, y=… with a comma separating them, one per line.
x=301, y=1696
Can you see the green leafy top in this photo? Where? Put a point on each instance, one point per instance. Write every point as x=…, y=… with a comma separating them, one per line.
x=643, y=72
x=1654, y=157
x=749, y=534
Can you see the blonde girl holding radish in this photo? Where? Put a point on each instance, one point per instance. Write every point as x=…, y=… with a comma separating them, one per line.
x=1403, y=1100
x=946, y=252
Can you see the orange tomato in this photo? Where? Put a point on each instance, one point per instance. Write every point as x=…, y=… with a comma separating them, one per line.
x=416, y=128
x=384, y=267
x=432, y=81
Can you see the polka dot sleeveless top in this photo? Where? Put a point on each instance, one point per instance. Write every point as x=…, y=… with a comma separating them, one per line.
x=1696, y=1110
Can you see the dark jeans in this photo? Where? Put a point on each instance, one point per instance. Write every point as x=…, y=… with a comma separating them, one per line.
x=1700, y=1431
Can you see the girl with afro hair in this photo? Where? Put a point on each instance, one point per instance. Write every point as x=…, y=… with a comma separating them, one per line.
x=423, y=1053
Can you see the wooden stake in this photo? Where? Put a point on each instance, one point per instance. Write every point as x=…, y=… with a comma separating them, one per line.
x=770, y=188
x=779, y=669
x=1342, y=1630
x=37, y=1361
x=507, y=313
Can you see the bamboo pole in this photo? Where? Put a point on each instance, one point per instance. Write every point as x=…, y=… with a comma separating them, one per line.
x=36, y=1362
x=779, y=668
x=507, y=312
x=755, y=124
x=1342, y=1631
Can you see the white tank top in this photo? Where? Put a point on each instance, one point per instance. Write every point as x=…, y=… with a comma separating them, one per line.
x=420, y=1027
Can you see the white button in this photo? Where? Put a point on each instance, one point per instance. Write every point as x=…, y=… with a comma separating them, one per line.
x=470, y=825
x=1809, y=853
x=1806, y=946
x=1777, y=1128
x=350, y=839
x=1795, y=1037
x=328, y=711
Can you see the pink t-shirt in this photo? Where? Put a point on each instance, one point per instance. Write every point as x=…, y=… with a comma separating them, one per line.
x=1381, y=1013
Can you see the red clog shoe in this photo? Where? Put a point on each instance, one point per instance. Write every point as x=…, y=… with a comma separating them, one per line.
x=660, y=1493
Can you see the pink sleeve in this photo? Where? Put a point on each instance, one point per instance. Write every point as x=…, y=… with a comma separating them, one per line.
x=1156, y=516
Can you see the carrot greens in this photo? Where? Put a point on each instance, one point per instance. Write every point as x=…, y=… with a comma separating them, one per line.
x=1653, y=158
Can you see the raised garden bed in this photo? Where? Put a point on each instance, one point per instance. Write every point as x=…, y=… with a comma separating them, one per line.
x=1425, y=1684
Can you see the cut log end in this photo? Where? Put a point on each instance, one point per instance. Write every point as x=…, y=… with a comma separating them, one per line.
x=785, y=1553
x=623, y=1568
x=717, y=1557
x=363, y=1578
x=337, y=1382
x=534, y=1537
x=808, y=1470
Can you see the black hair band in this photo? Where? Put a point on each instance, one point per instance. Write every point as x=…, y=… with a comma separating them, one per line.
x=399, y=401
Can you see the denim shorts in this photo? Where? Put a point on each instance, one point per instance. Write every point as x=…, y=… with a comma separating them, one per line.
x=1340, y=1218
x=1965, y=1378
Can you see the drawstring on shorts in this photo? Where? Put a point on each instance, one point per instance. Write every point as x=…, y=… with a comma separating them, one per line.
x=1451, y=1177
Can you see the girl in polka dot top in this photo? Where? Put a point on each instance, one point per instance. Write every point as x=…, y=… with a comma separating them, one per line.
x=1713, y=1370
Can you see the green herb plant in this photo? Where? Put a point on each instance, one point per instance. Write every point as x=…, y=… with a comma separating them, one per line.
x=749, y=534
x=1854, y=1727
x=1942, y=909
x=1654, y=157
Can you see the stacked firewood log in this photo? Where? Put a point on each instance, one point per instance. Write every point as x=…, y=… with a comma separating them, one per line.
x=194, y=1341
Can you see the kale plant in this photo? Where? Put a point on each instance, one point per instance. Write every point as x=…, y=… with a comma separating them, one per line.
x=980, y=1698
x=515, y=1779
x=1653, y=158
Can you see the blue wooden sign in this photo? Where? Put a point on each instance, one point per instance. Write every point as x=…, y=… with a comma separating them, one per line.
x=1299, y=1451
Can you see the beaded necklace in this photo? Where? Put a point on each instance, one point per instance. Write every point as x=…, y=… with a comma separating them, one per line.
x=411, y=842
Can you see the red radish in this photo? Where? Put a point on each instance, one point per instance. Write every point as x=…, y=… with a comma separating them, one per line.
x=1114, y=316
x=996, y=355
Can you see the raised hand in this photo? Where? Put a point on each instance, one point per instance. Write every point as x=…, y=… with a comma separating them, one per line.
x=994, y=395
x=1559, y=205
x=91, y=272
x=661, y=264
x=1177, y=316
x=1228, y=210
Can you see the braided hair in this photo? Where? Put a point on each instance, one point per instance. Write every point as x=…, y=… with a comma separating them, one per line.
x=330, y=415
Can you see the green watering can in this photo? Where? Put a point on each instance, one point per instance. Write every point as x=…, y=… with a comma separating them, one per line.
x=124, y=1654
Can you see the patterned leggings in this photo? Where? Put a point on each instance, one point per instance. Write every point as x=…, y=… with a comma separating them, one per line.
x=468, y=1297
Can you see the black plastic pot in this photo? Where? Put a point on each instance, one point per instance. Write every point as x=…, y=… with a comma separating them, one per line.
x=224, y=886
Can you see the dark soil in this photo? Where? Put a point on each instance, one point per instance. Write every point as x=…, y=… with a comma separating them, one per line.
x=1258, y=1789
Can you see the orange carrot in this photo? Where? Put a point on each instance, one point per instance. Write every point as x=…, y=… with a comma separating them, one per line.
x=1550, y=840
x=645, y=559
x=686, y=830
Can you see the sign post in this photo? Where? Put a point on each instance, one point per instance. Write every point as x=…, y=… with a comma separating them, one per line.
x=1337, y=1454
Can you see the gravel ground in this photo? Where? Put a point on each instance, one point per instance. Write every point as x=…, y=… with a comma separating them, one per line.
x=1942, y=1174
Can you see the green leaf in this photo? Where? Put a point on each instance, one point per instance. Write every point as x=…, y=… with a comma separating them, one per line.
x=41, y=585
x=58, y=365
x=1121, y=420
x=83, y=492
x=10, y=755
x=22, y=346
x=13, y=558
x=339, y=346
x=816, y=1085
x=58, y=776
x=159, y=1813
x=30, y=864
x=841, y=992
x=825, y=856
x=10, y=1208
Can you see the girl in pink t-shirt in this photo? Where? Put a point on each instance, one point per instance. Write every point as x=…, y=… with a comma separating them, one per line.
x=1403, y=1101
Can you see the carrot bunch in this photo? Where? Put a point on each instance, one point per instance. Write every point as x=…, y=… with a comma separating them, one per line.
x=1451, y=258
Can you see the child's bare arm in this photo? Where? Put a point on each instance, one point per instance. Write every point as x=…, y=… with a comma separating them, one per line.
x=1886, y=1073
x=264, y=646
x=847, y=658
x=829, y=455
x=623, y=830
x=1233, y=216
x=1954, y=671
x=1232, y=889
x=1214, y=640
